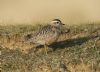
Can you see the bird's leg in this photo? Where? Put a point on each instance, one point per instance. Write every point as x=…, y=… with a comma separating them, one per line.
x=45, y=46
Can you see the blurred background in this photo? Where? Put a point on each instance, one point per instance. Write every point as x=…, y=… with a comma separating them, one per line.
x=42, y=11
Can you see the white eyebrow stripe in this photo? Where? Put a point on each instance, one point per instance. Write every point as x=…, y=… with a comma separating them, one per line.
x=54, y=21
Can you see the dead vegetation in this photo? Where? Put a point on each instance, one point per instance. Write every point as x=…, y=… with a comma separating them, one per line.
x=77, y=51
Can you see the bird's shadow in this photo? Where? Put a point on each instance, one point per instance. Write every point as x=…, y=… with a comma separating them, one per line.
x=70, y=42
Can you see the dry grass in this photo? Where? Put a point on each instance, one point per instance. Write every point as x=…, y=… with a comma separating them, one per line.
x=77, y=51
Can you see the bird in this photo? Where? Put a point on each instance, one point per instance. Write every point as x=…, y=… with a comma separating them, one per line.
x=47, y=34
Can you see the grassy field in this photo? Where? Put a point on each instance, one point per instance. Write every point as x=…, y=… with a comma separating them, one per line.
x=76, y=51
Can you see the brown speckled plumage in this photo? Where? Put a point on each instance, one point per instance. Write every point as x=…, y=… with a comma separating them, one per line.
x=47, y=34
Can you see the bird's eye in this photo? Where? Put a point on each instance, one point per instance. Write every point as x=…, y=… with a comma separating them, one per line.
x=57, y=22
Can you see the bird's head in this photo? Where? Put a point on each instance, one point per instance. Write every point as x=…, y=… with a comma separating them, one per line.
x=56, y=23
